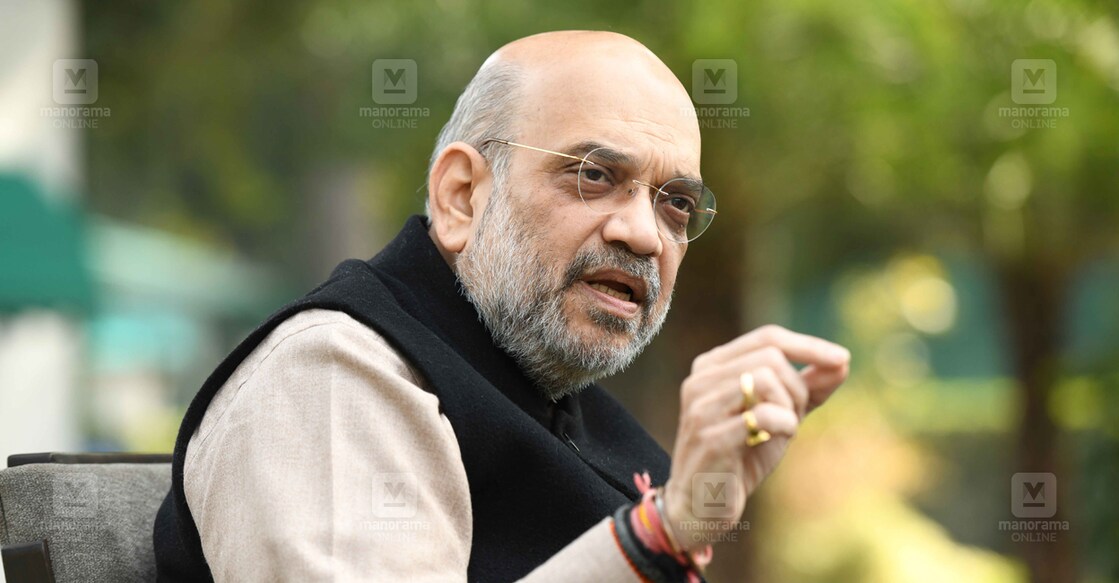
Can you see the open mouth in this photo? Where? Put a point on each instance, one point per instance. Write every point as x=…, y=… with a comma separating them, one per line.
x=622, y=292
x=613, y=289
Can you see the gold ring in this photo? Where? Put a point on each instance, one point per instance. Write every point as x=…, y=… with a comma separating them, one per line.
x=754, y=435
x=746, y=383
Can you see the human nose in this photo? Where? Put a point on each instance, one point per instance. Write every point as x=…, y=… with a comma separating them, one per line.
x=635, y=224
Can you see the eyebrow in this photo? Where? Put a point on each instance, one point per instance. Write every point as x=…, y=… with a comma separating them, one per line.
x=609, y=155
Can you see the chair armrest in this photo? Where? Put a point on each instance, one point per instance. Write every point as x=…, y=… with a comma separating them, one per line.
x=29, y=562
x=20, y=459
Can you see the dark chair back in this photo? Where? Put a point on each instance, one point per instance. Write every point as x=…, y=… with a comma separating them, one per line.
x=81, y=517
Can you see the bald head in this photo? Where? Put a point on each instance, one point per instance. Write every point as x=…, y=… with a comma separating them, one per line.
x=554, y=51
x=600, y=82
x=597, y=80
x=563, y=52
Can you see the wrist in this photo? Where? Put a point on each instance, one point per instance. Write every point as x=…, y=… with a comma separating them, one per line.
x=667, y=523
x=676, y=510
x=651, y=562
x=644, y=525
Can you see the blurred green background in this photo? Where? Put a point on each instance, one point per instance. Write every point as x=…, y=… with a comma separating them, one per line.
x=878, y=185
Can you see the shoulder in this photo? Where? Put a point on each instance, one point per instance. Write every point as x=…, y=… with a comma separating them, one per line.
x=291, y=451
x=321, y=361
x=319, y=337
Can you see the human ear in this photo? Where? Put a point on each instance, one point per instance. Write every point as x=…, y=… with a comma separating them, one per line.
x=458, y=188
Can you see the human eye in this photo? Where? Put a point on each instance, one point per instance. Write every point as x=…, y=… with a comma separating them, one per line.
x=594, y=174
x=682, y=203
x=677, y=202
x=595, y=178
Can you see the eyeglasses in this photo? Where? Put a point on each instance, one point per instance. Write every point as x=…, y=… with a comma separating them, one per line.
x=604, y=179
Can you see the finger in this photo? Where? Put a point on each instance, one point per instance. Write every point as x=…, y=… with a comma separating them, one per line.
x=778, y=421
x=822, y=382
x=775, y=419
x=797, y=347
x=790, y=380
x=769, y=389
x=725, y=395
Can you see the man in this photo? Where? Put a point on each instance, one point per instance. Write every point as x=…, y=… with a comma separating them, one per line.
x=429, y=415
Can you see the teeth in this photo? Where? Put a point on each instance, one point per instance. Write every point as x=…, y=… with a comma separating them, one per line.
x=611, y=292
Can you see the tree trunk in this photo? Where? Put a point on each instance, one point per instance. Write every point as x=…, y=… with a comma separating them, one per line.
x=1033, y=297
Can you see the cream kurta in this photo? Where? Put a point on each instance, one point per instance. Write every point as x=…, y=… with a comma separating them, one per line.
x=295, y=469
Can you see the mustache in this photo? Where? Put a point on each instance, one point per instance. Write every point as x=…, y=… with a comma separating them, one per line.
x=615, y=257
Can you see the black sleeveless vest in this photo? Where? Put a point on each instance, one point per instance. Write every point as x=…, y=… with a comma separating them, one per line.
x=540, y=473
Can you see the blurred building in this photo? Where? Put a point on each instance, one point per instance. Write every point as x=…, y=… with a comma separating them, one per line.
x=106, y=328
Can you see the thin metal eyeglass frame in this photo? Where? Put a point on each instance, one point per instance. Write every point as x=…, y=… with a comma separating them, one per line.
x=584, y=160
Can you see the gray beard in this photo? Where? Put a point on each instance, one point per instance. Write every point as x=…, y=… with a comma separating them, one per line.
x=506, y=274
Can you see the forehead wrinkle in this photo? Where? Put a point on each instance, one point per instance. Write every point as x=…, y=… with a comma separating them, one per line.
x=662, y=138
x=607, y=152
x=614, y=155
x=600, y=109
